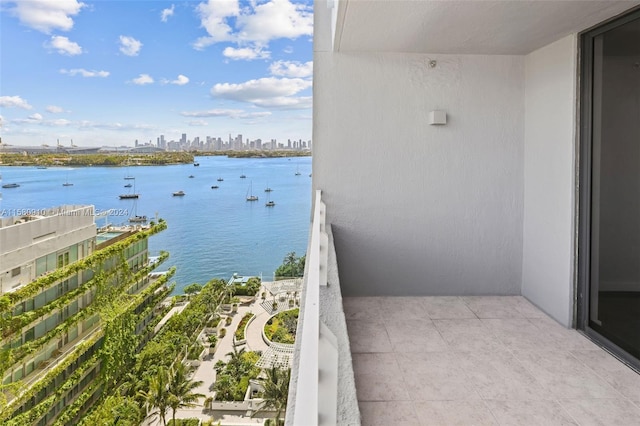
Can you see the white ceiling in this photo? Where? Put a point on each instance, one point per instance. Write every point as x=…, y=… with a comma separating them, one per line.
x=507, y=27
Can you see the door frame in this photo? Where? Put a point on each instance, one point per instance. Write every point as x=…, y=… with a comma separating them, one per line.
x=585, y=168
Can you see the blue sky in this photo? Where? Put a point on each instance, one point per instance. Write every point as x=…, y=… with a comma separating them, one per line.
x=110, y=72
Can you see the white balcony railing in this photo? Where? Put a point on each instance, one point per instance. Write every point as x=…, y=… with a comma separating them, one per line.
x=313, y=397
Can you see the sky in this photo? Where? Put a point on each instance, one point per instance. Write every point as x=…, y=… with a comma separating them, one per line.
x=110, y=72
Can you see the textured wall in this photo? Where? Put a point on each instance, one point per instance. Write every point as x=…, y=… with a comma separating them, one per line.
x=420, y=209
x=547, y=269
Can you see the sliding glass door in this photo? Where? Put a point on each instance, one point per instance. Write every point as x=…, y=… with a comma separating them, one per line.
x=610, y=185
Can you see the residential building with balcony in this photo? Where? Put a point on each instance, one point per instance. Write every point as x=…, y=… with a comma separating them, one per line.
x=68, y=291
x=473, y=271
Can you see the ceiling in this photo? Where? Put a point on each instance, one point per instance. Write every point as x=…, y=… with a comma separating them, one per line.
x=507, y=27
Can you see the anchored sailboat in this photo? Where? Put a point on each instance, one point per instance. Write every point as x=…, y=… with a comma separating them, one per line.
x=131, y=195
x=250, y=196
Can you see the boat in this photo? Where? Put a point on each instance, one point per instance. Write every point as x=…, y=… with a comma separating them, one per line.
x=10, y=185
x=220, y=179
x=129, y=177
x=66, y=182
x=215, y=187
x=270, y=203
x=196, y=164
x=128, y=196
x=267, y=189
x=191, y=176
x=243, y=176
x=178, y=193
x=297, y=171
x=250, y=196
x=136, y=218
x=128, y=185
x=41, y=167
x=132, y=195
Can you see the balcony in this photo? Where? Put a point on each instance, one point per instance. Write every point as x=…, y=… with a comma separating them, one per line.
x=493, y=360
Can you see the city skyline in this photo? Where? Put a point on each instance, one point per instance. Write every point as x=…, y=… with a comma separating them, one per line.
x=111, y=73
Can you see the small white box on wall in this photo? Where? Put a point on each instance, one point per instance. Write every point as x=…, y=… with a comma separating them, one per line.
x=437, y=117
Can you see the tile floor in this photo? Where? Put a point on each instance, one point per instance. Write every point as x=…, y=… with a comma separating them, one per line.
x=481, y=361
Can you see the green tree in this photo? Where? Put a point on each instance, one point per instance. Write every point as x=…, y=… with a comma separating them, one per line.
x=253, y=286
x=289, y=267
x=181, y=394
x=157, y=396
x=276, y=392
x=235, y=363
x=192, y=289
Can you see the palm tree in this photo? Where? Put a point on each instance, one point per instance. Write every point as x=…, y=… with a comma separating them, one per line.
x=158, y=394
x=276, y=391
x=235, y=363
x=181, y=388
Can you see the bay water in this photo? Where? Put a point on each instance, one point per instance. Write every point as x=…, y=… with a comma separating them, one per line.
x=212, y=233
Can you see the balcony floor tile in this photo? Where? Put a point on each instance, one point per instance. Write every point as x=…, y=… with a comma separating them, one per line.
x=482, y=361
x=454, y=413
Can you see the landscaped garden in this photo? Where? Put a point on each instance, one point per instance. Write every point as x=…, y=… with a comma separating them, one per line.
x=240, y=331
x=282, y=327
x=232, y=377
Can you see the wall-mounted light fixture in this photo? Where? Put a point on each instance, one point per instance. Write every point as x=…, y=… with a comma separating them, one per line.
x=437, y=117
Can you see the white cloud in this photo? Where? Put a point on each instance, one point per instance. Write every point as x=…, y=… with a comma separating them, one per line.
x=164, y=15
x=260, y=114
x=53, y=109
x=291, y=69
x=47, y=15
x=35, y=117
x=246, y=53
x=266, y=92
x=276, y=19
x=213, y=113
x=14, y=102
x=213, y=18
x=130, y=46
x=84, y=73
x=142, y=79
x=1, y=121
x=288, y=49
x=231, y=113
x=115, y=126
x=60, y=122
x=254, y=26
x=181, y=80
x=198, y=123
x=285, y=102
x=64, y=46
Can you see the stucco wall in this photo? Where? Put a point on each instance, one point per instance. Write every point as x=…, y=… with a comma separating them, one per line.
x=415, y=208
x=549, y=178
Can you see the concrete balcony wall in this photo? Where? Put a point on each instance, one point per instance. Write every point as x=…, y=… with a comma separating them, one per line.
x=550, y=179
x=332, y=315
x=419, y=209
